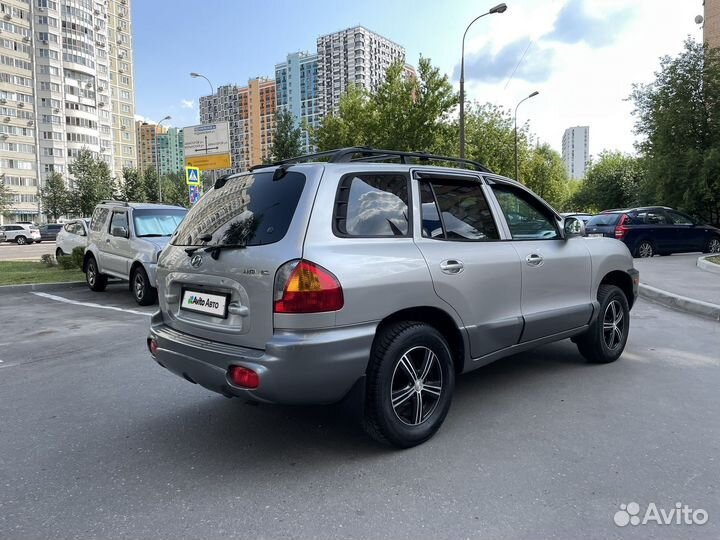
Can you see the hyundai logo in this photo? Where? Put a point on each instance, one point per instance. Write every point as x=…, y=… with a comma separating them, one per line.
x=196, y=261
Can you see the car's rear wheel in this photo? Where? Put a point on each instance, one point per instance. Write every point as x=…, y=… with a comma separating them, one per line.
x=410, y=381
x=645, y=249
x=712, y=245
x=95, y=280
x=21, y=240
x=605, y=340
x=144, y=293
x=59, y=253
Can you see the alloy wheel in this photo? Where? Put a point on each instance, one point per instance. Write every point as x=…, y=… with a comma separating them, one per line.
x=91, y=273
x=416, y=386
x=645, y=250
x=139, y=284
x=714, y=246
x=613, y=325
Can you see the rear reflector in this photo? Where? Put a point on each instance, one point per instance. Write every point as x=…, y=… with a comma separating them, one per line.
x=305, y=287
x=152, y=346
x=241, y=376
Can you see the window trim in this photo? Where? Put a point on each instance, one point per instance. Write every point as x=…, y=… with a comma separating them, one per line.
x=338, y=201
x=112, y=216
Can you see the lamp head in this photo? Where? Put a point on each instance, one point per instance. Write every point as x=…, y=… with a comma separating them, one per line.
x=535, y=93
x=500, y=8
x=194, y=75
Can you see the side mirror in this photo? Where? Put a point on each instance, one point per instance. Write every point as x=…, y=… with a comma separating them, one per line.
x=572, y=226
x=119, y=231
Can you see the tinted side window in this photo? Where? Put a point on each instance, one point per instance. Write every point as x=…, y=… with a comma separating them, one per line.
x=372, y=205
x=527, y=218
x=98, y=219
x=652, y=217
x=679, y=219
x=464, y=212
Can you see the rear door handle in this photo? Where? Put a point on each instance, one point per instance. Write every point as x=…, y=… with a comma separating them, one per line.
x=534, y=260
x=451, y=266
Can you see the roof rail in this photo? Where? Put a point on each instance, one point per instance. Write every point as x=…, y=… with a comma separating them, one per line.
x=113, y=201
x=367, y=154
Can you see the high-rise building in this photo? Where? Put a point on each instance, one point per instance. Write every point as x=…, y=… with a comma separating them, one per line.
x=170, y=151
x=355, y=56
x=576, y=151
x=250, y=113
x=711, y=25
x=296, y=91
x=146, y=136
x=66, y=84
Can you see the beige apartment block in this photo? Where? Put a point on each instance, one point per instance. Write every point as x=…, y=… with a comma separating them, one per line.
x=146, y=137
x=66, y=83
x=711, y=28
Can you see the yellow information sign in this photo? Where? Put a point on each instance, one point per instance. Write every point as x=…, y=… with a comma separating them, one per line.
x=209, y=162
x=192, y=176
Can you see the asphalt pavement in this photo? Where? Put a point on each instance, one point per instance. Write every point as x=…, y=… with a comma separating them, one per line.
x=10, y=251
x=98, y=441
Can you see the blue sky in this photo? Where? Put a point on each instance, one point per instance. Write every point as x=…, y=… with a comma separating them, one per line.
x=582, y=55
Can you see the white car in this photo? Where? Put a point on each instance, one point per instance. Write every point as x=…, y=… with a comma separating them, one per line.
x=21, y=234
x=73, y=234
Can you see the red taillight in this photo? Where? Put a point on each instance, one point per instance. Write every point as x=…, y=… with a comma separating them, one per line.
x=241, y=376
x=152, y=346
x=620, y=229
x=304, y=287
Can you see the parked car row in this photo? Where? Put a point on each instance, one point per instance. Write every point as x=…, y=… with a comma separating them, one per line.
x=654, y=230
x=20, y=233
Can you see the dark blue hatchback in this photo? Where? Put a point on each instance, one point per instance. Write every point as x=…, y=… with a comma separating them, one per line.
x=655, y=230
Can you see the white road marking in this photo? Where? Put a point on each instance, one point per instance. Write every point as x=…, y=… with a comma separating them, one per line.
x=88, y=304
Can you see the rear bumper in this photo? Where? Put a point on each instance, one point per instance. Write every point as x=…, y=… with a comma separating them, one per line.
x=296, y=367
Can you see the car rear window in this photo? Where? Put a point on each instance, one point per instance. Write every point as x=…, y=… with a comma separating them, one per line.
x=603, y=220
x=249, y=209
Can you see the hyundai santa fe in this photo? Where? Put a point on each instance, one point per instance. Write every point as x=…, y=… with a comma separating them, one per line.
x=376, y=274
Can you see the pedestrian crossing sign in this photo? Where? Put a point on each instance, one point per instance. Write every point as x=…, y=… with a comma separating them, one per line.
x=192, y=176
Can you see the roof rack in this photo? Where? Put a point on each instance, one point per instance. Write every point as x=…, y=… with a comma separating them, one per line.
x=113, y=201
x=367, y=154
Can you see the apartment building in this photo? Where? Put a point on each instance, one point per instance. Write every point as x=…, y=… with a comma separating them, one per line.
x=65, y=84
x=576, y=151
x=355, y=56
x=297, y=92
x=250, y=113
x=170, y=151
x=711, y=25
x=146, y=143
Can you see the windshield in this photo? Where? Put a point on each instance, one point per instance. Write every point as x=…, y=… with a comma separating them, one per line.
x=157, y=222
x=250, y=209
x=603, y=220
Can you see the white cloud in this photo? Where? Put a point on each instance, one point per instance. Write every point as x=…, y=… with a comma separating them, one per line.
x=187, y=103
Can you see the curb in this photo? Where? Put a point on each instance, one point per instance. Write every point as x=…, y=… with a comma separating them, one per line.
x=42, y=286
x=680, y=303
x=702, y=264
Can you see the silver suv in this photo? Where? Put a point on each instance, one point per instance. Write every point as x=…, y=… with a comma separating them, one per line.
x=125, y=241
x=355, y=276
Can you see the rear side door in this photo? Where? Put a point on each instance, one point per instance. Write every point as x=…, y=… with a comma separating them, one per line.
x=472, y=268
x=656, y=227
x=556, y=273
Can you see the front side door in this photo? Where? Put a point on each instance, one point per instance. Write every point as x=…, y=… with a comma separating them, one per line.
x=116, y=246
x=556, y=273
x=686, y=236
x=472, y=268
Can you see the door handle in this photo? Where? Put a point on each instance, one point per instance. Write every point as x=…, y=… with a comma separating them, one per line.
x=534, y=260
x=107, y=240
x=451, y=266
x=236, y=309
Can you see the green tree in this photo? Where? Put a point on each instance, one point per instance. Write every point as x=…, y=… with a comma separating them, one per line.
x=150, y=184
x=287, y=141
x=92, y=182
x=615, y=180
x=677, y=117
x=6, y=199
x=545, y=174
x=175, y=189
x=131, y=188
x=54, y=196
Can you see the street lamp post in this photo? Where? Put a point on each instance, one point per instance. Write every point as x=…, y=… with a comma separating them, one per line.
x=500, y=8
x=517, y=169
x=157, y=156
x=212, y=92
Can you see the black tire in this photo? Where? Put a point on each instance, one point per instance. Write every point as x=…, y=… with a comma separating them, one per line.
x=59, y=253
x=38, y=241
x=612, y=323
x=21, y=240
x=144, y=293
x=645, y=249
x=712, y=245
x=95, y=280
x=399, y=348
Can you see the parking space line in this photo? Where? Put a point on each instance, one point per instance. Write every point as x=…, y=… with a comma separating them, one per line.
x=88, y=304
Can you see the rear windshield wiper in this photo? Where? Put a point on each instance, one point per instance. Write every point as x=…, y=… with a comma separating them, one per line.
x=151, y=235
x=216, y=249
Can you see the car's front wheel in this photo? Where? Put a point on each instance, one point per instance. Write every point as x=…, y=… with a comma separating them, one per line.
x=410, y=381
x=95, y=280
x=712, y=245
x=605, y=340
x=144, y=293
x=59, y=253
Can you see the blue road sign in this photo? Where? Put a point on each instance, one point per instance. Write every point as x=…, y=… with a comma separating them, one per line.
x=192, y=176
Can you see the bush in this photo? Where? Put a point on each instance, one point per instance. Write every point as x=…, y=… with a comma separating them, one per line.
x=48, y=260
x=77, y=256
x=66, y=262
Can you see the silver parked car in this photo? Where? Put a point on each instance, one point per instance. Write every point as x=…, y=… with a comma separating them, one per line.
x=21, y=233
x=311, y=282
x=73, y=234
x=125, y=242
